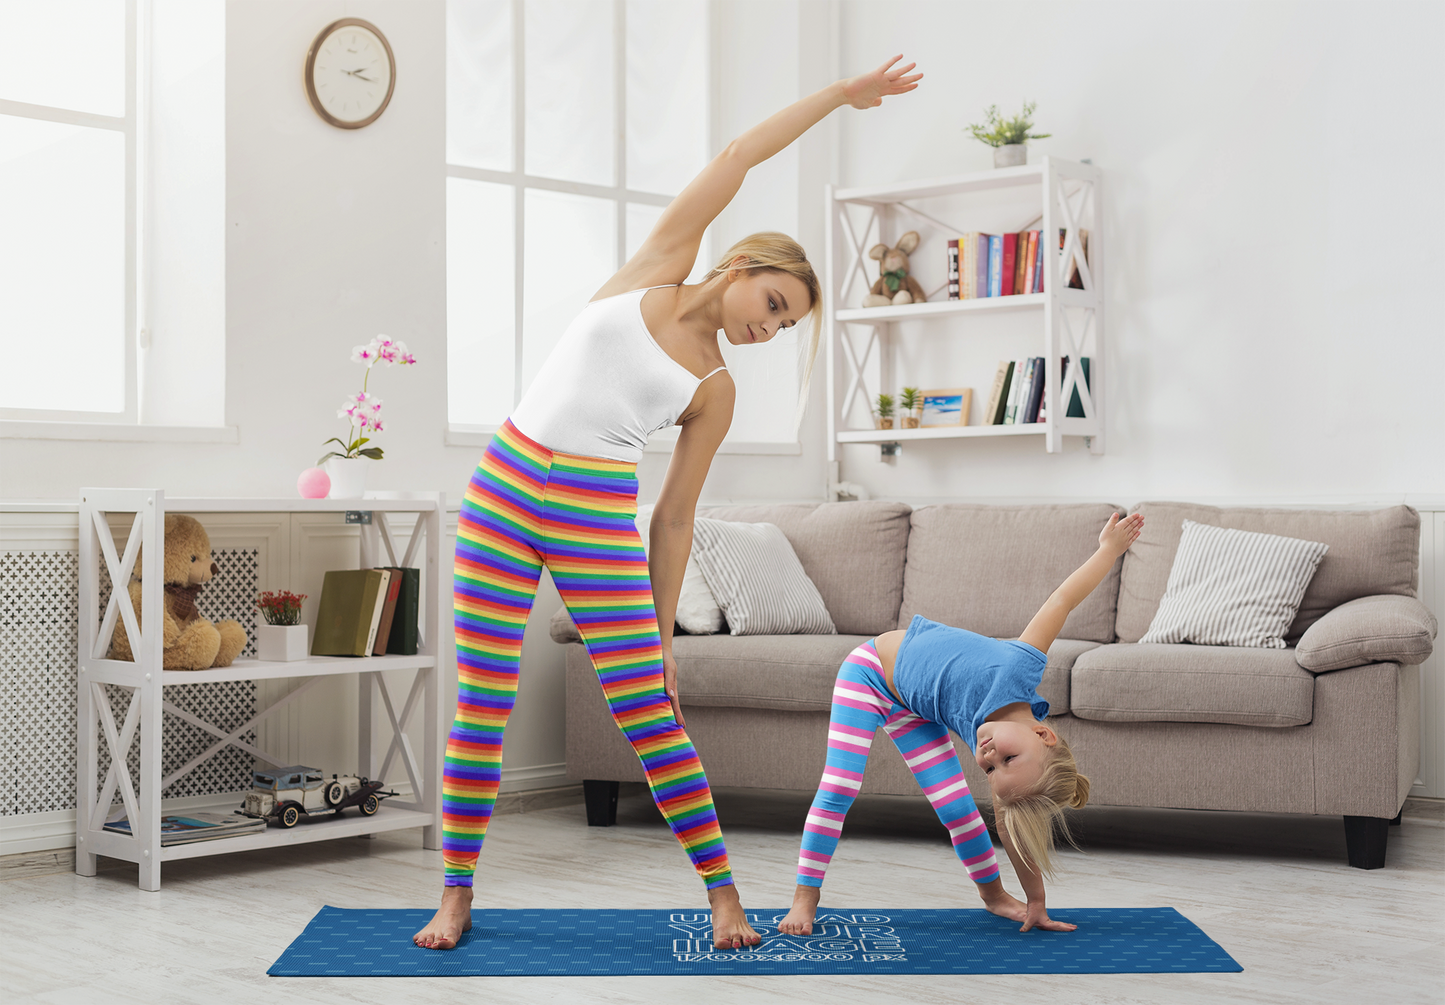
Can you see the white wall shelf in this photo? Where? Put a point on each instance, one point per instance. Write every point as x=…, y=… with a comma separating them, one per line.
x=146, y=681
x=1069, y=198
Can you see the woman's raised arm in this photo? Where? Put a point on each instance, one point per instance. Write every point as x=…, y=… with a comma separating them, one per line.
x=668, y=254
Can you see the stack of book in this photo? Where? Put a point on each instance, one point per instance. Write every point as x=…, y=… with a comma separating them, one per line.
x=1002, y=265
x=367, y=612
x=1017, y=395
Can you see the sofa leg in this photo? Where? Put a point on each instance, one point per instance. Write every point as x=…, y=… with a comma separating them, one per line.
x=601, y=799
x=1365, y=839
x=1396, y=821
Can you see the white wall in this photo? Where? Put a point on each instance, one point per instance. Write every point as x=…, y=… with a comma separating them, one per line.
x=1273, y=211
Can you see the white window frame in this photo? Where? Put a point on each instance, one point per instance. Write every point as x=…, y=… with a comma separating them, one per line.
x=469, y=435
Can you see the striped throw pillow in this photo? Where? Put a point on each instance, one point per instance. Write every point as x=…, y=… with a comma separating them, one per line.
x=757, y=580
x=1234, y=587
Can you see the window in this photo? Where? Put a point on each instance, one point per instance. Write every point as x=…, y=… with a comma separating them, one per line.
x=569, y=127
x=68, y=129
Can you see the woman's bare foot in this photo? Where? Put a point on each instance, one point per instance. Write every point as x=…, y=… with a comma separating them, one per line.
x=452, y=919
x=805, y=906
x=730, y=928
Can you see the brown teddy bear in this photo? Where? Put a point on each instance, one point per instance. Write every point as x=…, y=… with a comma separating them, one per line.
x=895, y=286
x=190, y=641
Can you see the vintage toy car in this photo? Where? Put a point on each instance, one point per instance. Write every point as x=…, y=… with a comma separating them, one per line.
x=285, y=794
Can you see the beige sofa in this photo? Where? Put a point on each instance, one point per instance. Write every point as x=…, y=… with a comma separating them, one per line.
x=1184, y=726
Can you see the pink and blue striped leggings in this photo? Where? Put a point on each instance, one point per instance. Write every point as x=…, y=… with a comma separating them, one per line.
x=862, y=703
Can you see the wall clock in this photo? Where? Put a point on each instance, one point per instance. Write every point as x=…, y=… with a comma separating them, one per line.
x=350, y=73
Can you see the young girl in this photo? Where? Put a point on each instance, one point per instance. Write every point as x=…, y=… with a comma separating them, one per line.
x=921, y=683
x=558, y=487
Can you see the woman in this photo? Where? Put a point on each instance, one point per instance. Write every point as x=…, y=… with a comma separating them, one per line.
x=557, y=487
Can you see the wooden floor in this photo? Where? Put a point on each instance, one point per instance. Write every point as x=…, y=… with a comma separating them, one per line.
x=1274, y=891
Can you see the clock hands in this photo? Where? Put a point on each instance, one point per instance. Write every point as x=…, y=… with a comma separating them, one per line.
x=358, y=76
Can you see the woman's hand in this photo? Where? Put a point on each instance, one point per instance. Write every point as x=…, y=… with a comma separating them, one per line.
x=867, y=90
x=669, y=684
x=1037, y=917
x=1118, y=534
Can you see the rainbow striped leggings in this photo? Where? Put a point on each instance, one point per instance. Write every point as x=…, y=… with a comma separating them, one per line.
x=861, y=704
x=526, y=507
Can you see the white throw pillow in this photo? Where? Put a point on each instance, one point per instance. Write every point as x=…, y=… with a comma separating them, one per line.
x=757, y=579
x=697, y=611
x=1234, y=587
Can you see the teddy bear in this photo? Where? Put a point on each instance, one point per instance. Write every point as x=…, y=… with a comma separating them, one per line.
x=189, y=641
x=894, y=285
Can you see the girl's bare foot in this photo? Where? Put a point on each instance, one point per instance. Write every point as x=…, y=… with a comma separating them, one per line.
x=730, y=928
x=805, y=906
x=452, y=919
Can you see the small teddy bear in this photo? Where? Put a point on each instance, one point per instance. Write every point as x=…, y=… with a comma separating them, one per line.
x=894, y=285
x=189, y=641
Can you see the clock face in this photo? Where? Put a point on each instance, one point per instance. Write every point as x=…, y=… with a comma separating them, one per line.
x=349, y=73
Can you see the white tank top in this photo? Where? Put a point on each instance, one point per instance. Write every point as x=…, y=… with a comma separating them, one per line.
x=606, y=386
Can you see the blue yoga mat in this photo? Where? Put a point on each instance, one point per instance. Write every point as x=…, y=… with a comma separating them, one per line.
x=552, y=943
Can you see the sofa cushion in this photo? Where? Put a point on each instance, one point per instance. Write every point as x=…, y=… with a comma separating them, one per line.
x=1137, y=682
x=1371, y=552
x=852, y=551
x=797, y=671
x=1383, y=629
x=990, y=568
x=756, y=579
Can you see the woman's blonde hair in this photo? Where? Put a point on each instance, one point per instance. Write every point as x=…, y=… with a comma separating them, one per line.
x=1032, y=818
x=770, y=251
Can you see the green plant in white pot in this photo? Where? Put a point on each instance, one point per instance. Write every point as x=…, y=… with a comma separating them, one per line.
x=1008, y=137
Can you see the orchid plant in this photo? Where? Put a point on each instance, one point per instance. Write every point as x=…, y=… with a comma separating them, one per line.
x=363, y=410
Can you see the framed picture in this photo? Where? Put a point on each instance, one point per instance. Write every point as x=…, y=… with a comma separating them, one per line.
x=947, y=407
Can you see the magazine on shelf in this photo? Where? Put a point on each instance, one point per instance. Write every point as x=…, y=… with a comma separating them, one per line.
x=184, y=828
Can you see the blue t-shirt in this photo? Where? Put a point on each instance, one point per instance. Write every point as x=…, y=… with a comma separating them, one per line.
x=958, y=678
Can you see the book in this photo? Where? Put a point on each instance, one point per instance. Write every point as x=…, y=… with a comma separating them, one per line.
x=996, y=392
x=1035, y=396
x=997, y=410
x=1029, y=260
x=1038, y=262
x=403, y=638
x=1076, y=406
x=388, y=614
x=953, y=269
x=187, y=828
x=1016, y=389
x=1021, y=255
x=1010, y=265
x=967, y=248
x=345, y=618
x=995, y=265
x=378, y=608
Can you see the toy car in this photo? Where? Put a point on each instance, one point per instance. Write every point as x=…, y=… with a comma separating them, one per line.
x=284, y=794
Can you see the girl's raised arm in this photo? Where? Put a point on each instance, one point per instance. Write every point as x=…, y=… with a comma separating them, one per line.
x=1114, y=540
x=668, y=254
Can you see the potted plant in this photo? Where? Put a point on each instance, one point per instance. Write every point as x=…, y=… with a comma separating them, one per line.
x=347, y=467
x=911, y=402
x=282, y=638
x=1008, y=136
x=885, y=411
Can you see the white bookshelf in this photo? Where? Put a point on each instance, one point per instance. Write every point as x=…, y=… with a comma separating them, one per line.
x=1070, y=321
x=98, y=728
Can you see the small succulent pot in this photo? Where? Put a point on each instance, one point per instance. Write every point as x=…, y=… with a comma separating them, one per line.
x=910, y=422
x=280, y=643
x=885, y=422
x=1010, y=155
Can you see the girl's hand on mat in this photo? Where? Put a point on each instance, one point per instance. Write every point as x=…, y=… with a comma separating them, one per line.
x=1038, y=917
x=867, y=90
x=669, y=683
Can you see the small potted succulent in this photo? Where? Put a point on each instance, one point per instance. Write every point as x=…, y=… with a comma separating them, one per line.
x=282, y=639
x=911, y=402
x=1008, y=136
x=885, y=411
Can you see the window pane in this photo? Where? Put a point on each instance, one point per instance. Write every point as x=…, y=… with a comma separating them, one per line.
x=62, y=266
x=641, y=218
x=571, y=246
x=481, y=299
x=479, y=83
x=569, y=90
x=666, y=93
x=69, y=54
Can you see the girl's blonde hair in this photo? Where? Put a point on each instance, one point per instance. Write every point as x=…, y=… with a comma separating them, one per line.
x=770, y=251
x=1033, y=818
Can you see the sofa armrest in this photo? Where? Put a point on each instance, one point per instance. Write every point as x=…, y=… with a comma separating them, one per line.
x=1379, y=629
x=562, y=628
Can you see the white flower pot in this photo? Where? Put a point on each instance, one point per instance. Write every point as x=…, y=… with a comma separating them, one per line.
x=280, y=643
x=348, y=476
x=1010, y=155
